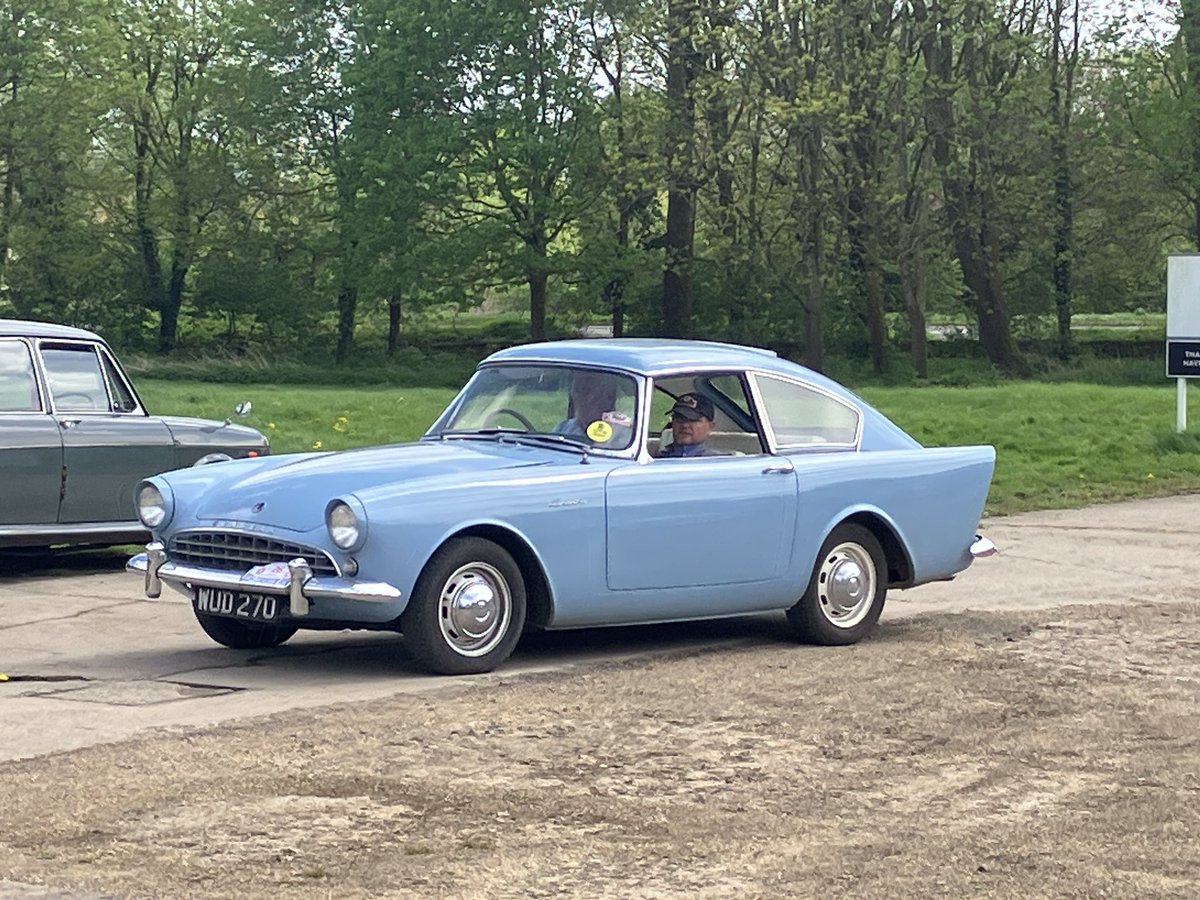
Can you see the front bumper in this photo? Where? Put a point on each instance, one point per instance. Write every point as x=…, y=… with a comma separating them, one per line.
x=294, y=580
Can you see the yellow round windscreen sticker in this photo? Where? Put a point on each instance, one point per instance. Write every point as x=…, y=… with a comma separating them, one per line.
x=600, y=432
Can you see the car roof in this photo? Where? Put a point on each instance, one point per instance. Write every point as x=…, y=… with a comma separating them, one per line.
x=23, y=328
x=659, y=356
x=643, y=355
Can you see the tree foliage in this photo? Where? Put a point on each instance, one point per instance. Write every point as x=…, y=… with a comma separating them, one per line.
x=803, y=173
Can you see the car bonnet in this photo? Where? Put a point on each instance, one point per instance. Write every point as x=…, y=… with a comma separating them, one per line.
x=293, y=495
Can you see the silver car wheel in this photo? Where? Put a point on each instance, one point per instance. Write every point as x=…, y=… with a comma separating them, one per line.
x=846, y=585
x=474, y=609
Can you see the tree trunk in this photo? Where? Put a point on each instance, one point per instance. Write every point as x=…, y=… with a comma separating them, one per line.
x=865, y=263
x=1061, y=99
x=614, y=288
x=1189, y=25
x=808, y=212
x=912, y=278
x=172, y=303
x=347, y=303
x=393, y=337
x=683, y=66
x=147, y=241
x=536, y=276
x=968, y=199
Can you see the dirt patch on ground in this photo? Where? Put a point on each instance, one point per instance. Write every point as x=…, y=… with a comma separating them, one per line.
x=1034, y=754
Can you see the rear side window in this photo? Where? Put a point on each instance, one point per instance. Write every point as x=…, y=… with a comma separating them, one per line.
x=18, y=386
x=802, y=416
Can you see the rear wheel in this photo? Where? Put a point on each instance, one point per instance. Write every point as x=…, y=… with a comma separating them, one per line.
x=846, y=593
x=467, y=609
x=243, y=635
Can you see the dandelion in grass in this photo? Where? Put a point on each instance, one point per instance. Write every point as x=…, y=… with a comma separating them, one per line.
x=316, y=445
x=340, y=423
x=270, y=424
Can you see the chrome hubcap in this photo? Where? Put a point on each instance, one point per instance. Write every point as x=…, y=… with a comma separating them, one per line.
x=474, y=609
x=846, y=585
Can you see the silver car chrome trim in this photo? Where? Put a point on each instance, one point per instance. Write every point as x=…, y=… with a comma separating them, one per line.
x=299, y=574
x=52, y=530
x=983, y=547
x=156, y=556
x=185, y=578
x=240, y=549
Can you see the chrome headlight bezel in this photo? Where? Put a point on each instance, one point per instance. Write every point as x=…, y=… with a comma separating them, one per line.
x=154, y=504
x=346, y=522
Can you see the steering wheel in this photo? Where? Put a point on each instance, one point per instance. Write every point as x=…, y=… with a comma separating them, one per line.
x=79, y=395
x=496, y=414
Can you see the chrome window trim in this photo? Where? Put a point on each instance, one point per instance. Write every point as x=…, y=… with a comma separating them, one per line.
x=100, y=351
x=769, y=428
x=633, y=451
x=741, y=374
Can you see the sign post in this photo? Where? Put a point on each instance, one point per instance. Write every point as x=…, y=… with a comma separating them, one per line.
x=1183, y=327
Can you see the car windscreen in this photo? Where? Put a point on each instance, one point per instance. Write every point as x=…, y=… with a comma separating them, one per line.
x=592, y=406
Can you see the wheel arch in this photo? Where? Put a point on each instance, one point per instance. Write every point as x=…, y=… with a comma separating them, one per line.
x=539, y=605
x=899, y=563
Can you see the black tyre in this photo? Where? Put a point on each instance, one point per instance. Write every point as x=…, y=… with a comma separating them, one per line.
x=467, y=610
x=243, y=635
x=846, y=592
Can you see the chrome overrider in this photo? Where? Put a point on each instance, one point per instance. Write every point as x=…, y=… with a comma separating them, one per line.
x=298, y=583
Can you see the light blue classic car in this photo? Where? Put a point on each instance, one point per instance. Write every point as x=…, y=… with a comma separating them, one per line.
x=577, y=483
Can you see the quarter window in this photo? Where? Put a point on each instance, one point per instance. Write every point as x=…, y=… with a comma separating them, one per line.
x=801, y=416
x=18, y=386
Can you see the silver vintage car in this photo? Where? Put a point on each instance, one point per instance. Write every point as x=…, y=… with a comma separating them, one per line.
x=75, y=439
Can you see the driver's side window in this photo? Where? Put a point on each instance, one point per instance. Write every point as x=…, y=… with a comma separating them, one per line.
x=731, y=431
x=75, y=377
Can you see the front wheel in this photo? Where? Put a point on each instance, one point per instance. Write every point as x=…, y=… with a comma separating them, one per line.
x=846, y=593
x=242, y=635
x=467, y=609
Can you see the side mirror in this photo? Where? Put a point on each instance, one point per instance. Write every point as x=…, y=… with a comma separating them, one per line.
x=241, y=410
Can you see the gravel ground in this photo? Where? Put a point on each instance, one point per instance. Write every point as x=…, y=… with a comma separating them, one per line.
x=1032, y=754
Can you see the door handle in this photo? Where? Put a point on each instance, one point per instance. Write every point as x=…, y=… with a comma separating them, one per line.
x=68, y=423
x=777, y=470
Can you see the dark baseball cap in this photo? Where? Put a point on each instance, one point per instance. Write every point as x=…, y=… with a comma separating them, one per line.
x=693, y=407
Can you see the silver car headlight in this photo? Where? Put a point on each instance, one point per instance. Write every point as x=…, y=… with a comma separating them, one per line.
x=347, y=525
x=153, y=507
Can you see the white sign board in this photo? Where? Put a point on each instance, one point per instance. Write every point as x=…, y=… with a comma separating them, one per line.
x=1183, y=327
x=1183, y=297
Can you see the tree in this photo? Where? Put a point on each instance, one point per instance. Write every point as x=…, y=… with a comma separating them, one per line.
x=964, y=40
x=1064, y=37
x=180, y=135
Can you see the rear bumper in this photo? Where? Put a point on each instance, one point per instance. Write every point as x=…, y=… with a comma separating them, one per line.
x=294, y=580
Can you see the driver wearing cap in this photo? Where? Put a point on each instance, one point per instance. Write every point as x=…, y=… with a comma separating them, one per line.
x=691, y=424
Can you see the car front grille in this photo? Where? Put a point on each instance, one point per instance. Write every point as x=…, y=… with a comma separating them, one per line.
x=237, y=552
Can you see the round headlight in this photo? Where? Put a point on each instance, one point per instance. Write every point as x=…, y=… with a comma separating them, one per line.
x=343, y=524
x=151, y=507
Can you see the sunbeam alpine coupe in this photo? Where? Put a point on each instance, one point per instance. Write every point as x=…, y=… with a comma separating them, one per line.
x=572, y=484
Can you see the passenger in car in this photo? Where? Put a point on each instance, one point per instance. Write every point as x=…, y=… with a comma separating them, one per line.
x=691, y=424
x=591, y=412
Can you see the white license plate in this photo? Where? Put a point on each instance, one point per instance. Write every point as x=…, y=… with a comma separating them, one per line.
x=239, y=604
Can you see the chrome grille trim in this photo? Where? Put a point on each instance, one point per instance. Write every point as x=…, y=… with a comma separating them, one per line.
x=237, y=551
